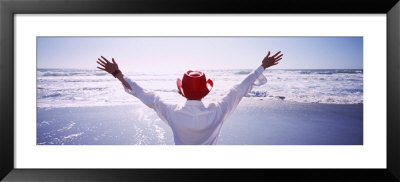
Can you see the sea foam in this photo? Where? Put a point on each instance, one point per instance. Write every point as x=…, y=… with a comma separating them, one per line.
x=79, y=88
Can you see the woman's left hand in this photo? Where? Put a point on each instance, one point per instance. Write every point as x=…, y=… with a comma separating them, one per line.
x=107, y=66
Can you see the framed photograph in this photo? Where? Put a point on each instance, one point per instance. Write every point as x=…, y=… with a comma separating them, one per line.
x=99, y=91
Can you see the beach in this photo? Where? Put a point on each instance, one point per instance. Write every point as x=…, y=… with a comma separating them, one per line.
x=256, y=121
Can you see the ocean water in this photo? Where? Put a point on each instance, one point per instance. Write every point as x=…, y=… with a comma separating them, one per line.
x=79, y=88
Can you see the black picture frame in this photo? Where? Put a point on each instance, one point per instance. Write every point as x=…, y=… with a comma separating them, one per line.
x=9, y=8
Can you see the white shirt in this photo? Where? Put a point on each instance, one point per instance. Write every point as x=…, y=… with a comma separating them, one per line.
x=194, y=123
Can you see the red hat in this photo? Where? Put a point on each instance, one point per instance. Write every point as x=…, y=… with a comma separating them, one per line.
x=194, y=85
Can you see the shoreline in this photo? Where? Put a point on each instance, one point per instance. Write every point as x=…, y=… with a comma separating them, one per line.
x=247, y=101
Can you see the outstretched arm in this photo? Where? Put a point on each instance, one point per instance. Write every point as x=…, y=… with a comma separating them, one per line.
x=234, y=96
x=147, y=97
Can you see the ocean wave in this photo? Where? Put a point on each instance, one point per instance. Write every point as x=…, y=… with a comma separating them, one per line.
x=243, y=72
x=87, y=80
x=330, y=72
x=93, y=88
x=305, y=72
x=256, y=94
x=326, y=73
x=353, y=90
x=317, y=72
x=55, y=74
x=51, y=95
x=166, y=90
x=349, y=71
x=100, y=74
x=323, y=99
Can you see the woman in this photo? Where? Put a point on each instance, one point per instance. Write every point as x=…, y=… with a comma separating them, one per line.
x=193, y=123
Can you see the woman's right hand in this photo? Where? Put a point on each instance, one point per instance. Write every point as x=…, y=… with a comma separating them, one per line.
x=271, y=61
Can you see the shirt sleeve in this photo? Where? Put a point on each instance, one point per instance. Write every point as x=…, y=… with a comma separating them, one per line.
x=150, y=99
x=228, y=103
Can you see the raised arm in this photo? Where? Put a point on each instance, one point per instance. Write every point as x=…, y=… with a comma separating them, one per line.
x=147, y=97
x=234, y=96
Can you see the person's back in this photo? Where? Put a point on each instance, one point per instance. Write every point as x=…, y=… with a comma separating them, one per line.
x=194, y=123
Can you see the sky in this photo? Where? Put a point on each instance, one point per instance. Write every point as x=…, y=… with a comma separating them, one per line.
x=200, y=53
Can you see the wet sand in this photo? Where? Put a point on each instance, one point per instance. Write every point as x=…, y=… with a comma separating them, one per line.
x=255, y=122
